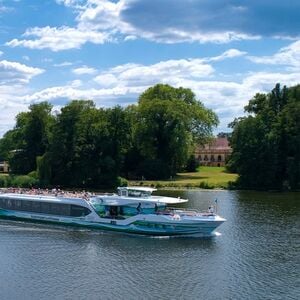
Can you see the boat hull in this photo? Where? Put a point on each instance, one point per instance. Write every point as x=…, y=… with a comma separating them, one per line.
x=141, y=227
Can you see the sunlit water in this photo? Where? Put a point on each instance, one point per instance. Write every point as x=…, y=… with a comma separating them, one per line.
x=254, y=256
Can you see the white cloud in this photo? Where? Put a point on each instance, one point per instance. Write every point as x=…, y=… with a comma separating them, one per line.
x=11, y=104
x=84, y=70
x=76, y=83
x=231, y=53
x=124, y=83
x=5, y=9
x=289, y=56
x=265, y=81
x=1, y=53
x=171, y=36
x=14, y=78
x=101, y=21
x=16, y=73
x=141, y=75
x=106, y=79
x=57, y=39
x=63, y=64
x=102, y=15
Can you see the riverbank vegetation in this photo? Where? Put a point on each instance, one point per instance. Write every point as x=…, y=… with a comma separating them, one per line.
x=89, y=147
x=152, y=143
x=266, y=143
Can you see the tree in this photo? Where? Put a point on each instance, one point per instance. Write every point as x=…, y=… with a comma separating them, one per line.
x=89, y=145
x=266, y=143
x=29, y=138
x=66, y=150
x=168, y=122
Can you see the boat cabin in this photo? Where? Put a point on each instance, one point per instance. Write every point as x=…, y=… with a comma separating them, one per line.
x=136, y=192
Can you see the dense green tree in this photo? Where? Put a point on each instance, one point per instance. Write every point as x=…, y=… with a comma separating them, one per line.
x=68, y=136
x=168, y=122
x=266, y=143
x=29, y=138
x=85, y=146
x=89, y=145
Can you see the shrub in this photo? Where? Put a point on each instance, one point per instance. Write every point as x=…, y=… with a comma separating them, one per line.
x=205, y=185
x=192, y=164
x=33, y=174
x=3, y=180
x=23, y=181
x=122, y=181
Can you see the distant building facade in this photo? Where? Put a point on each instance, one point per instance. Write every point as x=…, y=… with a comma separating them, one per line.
x=4, y=167
x=215, y=153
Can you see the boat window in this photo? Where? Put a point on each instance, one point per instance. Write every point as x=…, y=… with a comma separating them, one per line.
x=79, y=211
x=36, y=207
x=138, y=194
x=60, y=209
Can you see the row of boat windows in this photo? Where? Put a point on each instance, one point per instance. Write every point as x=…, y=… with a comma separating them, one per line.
x=60, y=209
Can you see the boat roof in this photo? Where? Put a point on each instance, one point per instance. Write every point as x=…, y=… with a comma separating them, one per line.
x=137, y=188
x=48, y=198
x=119, y=200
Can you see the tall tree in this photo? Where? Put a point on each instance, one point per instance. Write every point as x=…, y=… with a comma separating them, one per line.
x=29, y=139
x=168, y=122
x=266, y=143
x=64, y=143
x=89, y=145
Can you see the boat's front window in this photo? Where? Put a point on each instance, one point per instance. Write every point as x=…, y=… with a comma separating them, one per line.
x=97, y=204
x=140, y=194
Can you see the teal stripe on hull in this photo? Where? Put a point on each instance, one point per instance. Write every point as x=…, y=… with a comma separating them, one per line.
x=135, y=228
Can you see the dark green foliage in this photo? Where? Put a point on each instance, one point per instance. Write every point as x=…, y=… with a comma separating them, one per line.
x=266, y=144
x=88, y=145
x=85, y=146
x=29, y=138
x=192, y=164
x=153, y=169
x=122, y=181
x=44, y=169
x=169, y=121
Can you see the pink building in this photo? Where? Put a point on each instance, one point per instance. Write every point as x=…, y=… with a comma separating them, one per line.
x=215, y=153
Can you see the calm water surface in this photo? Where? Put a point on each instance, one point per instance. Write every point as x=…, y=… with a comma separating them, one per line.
x=256, y=256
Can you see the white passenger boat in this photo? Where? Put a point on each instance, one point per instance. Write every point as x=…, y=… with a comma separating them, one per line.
x=132, y=210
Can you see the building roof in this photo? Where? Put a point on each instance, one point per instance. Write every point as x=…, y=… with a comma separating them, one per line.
x=220, y=143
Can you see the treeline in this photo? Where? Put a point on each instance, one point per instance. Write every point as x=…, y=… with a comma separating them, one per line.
x=85, y=146
x=266, y=143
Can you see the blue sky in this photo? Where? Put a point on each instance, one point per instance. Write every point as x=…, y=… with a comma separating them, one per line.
x=111, y=51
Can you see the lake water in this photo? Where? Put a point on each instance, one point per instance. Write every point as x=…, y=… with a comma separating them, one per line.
x=256, y=256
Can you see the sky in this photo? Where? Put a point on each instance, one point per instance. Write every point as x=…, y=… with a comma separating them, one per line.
x=110, y=51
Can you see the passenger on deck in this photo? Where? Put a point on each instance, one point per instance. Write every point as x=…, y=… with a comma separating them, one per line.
x=139, y=208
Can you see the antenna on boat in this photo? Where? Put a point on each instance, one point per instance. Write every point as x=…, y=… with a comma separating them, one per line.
x=216, y=205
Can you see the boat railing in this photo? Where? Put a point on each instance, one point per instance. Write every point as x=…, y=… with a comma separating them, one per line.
x=186, y=212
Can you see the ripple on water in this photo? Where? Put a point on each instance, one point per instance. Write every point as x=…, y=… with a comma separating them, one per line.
x=255, y=257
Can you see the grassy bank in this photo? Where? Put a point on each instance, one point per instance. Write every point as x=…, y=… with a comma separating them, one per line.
x=205, y=177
